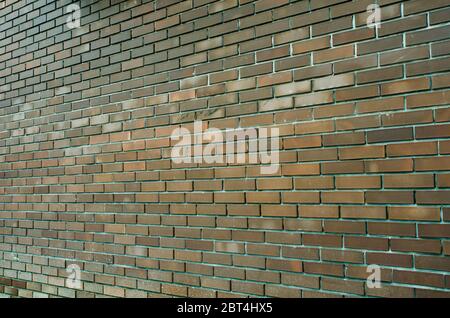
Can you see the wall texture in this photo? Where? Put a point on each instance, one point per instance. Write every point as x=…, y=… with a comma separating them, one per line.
x=87, y=178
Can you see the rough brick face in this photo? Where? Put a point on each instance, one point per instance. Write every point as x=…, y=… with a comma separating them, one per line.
x=87, y=177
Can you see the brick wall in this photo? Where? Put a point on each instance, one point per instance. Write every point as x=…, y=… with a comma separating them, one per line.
x=87, y=177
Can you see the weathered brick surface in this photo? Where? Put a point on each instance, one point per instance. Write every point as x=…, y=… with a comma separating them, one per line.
x=86, y=176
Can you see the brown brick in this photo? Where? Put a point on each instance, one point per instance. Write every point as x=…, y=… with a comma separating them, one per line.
x=87, y=174
x=404, y=86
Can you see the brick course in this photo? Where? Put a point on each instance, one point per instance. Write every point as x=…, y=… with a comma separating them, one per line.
x=86, y=176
